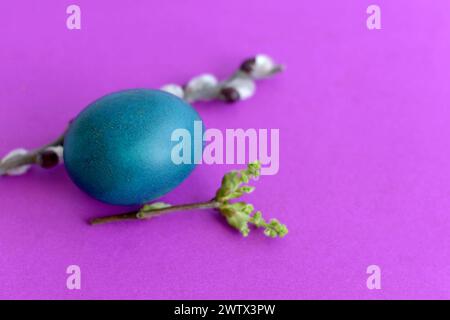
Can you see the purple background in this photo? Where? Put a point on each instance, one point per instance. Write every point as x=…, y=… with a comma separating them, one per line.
x=364, y=172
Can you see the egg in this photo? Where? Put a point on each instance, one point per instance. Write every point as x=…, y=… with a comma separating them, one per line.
x=118, y=149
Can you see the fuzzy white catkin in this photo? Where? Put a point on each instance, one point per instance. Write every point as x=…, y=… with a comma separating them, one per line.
x=203, y=86
x=174, y=89
x=245, y=86
x=202, y=82
x=263, y=66
x=19, y=170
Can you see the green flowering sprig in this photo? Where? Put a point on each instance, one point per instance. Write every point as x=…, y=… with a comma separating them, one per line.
x=240, y=215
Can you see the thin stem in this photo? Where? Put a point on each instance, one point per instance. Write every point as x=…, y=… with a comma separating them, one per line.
x=138, y=214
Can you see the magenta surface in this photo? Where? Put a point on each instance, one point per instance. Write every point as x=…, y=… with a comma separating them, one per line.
x=364, y=153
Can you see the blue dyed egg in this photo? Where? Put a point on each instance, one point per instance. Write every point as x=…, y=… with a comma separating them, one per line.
x=118, y=149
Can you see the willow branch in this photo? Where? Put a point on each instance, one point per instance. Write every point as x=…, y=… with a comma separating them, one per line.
x=241, y=85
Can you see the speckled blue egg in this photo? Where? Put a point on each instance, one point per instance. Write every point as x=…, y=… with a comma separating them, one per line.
x=118, y=149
